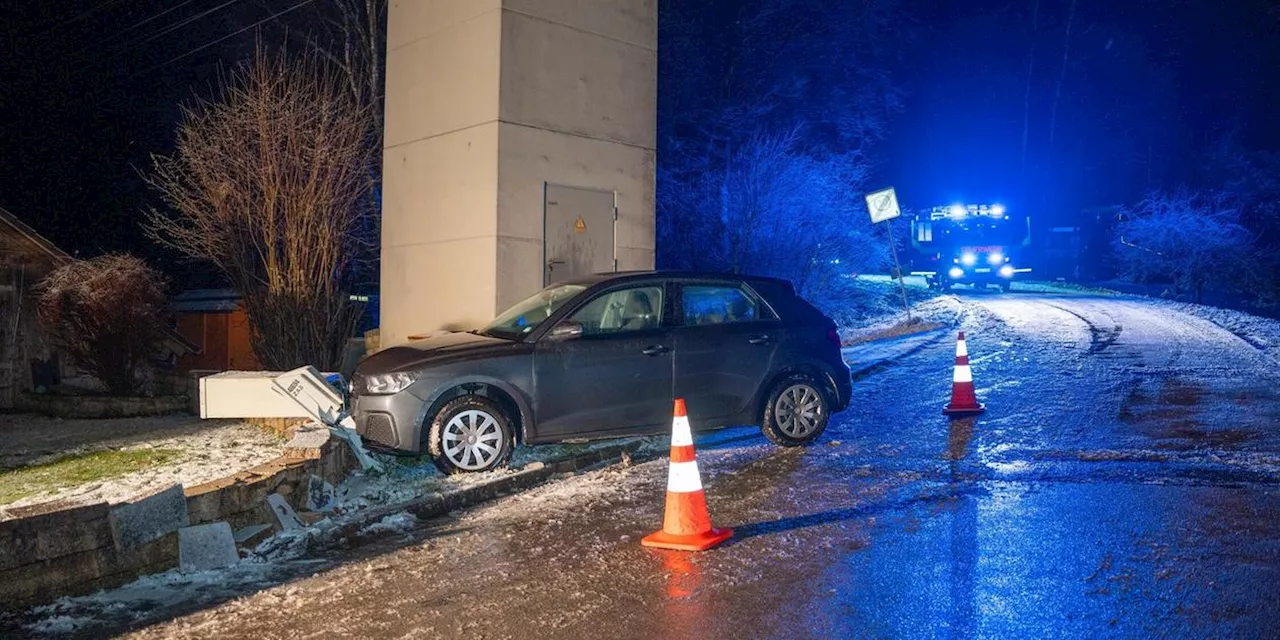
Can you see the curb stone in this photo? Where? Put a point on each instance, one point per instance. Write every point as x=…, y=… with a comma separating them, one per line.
x=436, y=504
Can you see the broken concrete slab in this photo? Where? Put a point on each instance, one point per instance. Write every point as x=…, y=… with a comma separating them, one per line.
x=319, y=494
x=251, y=535
x=206, y=547
x=285, y=515
x=148, y=518
x=308, y=442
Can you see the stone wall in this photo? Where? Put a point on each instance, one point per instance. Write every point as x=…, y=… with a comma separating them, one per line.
x=68, y=407
x=52, y=550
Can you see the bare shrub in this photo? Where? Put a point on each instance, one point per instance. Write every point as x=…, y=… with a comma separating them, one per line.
x=107, y=315
x=269, y=184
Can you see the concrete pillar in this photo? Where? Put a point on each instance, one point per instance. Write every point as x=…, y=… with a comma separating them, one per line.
x=487, y=101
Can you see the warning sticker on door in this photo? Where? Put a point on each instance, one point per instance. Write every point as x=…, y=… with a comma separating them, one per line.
x=580, y=225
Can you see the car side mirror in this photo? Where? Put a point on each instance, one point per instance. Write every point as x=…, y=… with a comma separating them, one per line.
x=566, y=331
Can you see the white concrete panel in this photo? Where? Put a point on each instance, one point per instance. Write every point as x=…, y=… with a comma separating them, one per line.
x=528, y=157
x=444, y=82
x=441, y=285
x=441, y=188
x=413, y=20
x=564, y=79
x=631, y=21
x=519, y=269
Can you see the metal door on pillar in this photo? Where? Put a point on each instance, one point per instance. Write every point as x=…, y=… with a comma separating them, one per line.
x=578, y=232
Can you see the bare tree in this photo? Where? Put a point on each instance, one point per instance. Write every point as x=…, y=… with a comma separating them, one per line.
x=267, y=184
x=107, y=315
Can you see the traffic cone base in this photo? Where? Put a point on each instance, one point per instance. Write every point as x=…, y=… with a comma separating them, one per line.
x=696, y=542
x=964, y=411
x=686, y=523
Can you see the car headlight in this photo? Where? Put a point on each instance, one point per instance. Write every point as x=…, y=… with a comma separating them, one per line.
x=968, y=259
x=956, y=272
x=388, y=383
x=1006, y=271
x=995, y=258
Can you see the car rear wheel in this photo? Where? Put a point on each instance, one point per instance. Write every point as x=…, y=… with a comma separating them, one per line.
x=470, y=433
x=797, y=412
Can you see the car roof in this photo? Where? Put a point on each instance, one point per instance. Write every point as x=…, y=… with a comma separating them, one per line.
x=625, y=276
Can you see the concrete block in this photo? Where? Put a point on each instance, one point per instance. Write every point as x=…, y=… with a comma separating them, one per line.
x=148, y=518
x=319, y=494
x=206, y=547
x=251, y=535
x=308, y=443
x=285, y=515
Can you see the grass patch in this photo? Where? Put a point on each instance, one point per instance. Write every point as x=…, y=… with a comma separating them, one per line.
x=78, y=469
x=896, y=331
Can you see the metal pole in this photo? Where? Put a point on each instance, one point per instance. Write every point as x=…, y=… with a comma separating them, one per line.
x=897, y=267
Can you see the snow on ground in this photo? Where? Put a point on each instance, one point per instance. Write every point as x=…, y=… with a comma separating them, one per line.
x=1261, y=333
x=211, y=450
x=394, y=523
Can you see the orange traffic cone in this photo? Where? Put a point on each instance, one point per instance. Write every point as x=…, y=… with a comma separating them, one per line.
x=686, y=526
x=963, y=400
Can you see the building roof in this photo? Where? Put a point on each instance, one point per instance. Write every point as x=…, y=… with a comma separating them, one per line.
x=206, y=301
x=20, y=244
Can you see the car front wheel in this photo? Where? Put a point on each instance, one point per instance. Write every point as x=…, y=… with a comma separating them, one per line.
x=469, y=434
x=796, y=413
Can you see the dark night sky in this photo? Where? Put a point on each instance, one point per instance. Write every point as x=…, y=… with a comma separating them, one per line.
x=93, y=86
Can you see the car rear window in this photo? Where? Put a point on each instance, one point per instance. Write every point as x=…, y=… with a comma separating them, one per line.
x=705, y=304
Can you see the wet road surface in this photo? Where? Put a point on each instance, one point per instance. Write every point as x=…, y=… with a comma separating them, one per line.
x=1125, y=481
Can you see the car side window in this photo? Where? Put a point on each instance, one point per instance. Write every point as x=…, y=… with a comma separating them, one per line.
x=708, y=304
x=621, y=311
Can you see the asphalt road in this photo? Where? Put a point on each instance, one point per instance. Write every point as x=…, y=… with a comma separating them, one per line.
x=1125, y=481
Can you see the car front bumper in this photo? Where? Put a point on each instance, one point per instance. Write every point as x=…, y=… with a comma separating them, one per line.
x=389, y=422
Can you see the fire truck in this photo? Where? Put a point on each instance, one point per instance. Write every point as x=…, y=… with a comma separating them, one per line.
x=979, y=245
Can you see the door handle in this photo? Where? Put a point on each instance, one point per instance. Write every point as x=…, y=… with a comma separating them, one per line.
x=655, y=350
x=763, y=339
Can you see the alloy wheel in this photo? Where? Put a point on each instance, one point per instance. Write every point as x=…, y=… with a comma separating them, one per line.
x=472, y=440
x=798, y=410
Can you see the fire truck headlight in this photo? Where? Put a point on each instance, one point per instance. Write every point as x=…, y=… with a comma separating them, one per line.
x=956, y=272
x=957, y=210
x=995, y=258
x=1006, y=271
x=968, y=259
x=997, y=210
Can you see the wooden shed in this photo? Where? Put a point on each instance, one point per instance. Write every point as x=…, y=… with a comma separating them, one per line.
x=216, y=322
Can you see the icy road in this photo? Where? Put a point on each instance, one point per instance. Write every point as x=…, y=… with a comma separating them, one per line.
x=1125, y=481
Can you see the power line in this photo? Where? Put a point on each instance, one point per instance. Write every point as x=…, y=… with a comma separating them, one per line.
x=87, y=53
x=226, y=37
x=174, y=27
x=87, y=13
x=158, y=15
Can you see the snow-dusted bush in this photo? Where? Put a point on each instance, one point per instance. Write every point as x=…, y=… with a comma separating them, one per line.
x=1191, y=239
x=106, y=314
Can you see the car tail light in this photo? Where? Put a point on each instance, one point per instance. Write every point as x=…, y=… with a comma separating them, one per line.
x=833, y=337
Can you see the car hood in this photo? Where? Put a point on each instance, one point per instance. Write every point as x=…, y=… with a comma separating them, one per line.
x=449, y=348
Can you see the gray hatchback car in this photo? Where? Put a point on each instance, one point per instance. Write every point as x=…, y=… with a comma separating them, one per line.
x=603, y=357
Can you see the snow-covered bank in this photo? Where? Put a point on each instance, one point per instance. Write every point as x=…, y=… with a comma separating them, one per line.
x=208, y=451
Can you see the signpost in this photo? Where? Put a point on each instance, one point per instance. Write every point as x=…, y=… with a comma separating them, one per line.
x=883, y=206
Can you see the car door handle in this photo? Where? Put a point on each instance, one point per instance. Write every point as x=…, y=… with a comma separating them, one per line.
x=760, y=339
x=655, y=350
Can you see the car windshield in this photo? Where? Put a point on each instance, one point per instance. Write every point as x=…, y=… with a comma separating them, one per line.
x=532, y=311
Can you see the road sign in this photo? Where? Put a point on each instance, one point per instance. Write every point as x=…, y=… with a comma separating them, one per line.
x=883, y=205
